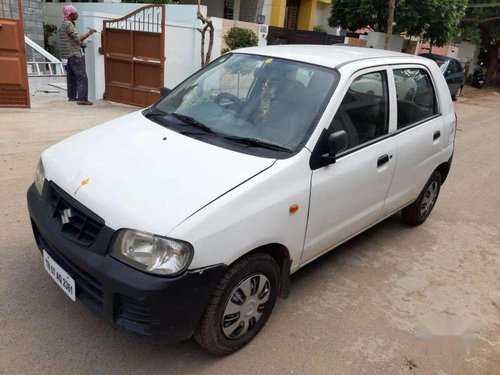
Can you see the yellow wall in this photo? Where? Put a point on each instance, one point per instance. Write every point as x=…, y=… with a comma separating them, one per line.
x=307, y=11
x=278, y=8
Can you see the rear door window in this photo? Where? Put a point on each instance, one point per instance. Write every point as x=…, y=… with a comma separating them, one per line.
x=415, y=95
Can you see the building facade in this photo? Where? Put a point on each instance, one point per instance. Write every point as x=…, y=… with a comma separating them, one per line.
x=33, y=20
x=300, y=14
x=293, y=14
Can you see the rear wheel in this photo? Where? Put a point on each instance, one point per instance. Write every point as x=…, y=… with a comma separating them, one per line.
x=240, y=305
x=417, y=212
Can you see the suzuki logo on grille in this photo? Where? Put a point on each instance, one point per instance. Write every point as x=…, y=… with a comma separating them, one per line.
x=66, y=216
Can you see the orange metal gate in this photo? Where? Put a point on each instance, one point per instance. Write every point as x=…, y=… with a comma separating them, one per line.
x=134, y=56
x=14, y=89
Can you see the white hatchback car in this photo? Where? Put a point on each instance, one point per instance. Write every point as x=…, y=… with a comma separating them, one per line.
x=187, y=218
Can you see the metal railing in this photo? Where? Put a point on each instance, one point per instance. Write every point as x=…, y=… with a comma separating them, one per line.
x=45, y=68
x=46, y=64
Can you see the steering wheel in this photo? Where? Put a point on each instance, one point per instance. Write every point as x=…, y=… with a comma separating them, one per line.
x=226, y=96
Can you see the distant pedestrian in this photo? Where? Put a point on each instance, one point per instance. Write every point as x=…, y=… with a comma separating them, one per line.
x=71, y=49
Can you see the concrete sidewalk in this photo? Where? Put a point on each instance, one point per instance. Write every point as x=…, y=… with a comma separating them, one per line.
x=48, y=88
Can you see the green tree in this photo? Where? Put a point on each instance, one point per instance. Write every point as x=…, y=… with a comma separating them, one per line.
x=438, y=20
x=354, y=14
x=435, y=20
x=481, y=24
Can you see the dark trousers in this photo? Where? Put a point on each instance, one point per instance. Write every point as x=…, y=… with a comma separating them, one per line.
x=77, y=78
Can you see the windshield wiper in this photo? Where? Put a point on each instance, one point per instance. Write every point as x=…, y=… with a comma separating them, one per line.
x=256, y=143
x=192, y=122
x=158, y=117
x=153, y=113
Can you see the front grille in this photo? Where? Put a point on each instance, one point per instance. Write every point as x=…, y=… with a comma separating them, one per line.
x=88, y=288
x=132, y=311
x=75, y=224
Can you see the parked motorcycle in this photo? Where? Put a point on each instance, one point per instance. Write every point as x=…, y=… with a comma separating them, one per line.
x=478, y=76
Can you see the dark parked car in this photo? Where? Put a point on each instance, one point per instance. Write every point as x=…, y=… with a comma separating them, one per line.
x=452, y=70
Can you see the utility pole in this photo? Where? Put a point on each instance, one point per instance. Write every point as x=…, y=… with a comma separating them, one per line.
x=390, y=22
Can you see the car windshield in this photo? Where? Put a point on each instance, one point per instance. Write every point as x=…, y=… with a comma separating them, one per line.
x=255, y=101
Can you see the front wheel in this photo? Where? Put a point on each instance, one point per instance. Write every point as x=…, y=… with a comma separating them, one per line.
x=240, y=306
x=417, y=212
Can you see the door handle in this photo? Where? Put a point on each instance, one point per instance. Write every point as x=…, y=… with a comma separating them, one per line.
x=382, y=160
x=436, y=135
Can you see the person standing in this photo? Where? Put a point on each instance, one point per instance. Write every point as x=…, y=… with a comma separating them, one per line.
x=71, y=49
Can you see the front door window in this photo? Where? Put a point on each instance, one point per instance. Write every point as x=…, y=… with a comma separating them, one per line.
x=364, y=111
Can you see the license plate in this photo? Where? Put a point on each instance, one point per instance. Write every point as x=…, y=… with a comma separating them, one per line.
x=59, y=275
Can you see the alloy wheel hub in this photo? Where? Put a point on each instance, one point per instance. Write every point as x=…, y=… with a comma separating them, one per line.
x=245, y=306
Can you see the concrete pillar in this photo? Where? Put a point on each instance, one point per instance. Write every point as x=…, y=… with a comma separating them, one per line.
x=307, y=13
x=278, y=8
x=236, y=10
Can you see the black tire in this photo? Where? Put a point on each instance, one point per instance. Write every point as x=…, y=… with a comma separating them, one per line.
x=209, y=333
x=414, y=213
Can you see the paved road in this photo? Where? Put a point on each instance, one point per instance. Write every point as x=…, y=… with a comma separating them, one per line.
x=357, y=310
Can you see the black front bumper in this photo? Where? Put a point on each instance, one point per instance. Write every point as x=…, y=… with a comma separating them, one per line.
x=136, y=301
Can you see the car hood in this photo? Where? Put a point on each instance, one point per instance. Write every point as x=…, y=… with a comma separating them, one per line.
x=137, y=174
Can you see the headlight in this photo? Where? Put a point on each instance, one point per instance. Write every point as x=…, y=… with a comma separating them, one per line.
x=152, y=253
x=39, y=176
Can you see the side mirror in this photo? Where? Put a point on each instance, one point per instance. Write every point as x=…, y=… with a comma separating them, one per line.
x=164, y=92
x=337, y=142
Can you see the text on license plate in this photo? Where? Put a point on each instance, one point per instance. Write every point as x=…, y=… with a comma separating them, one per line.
x=59, y=275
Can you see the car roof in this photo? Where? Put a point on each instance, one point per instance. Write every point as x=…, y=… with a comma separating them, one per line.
x=433, y=56
x=332, y=56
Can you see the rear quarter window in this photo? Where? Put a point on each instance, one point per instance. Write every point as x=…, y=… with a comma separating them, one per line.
x=416, y=97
